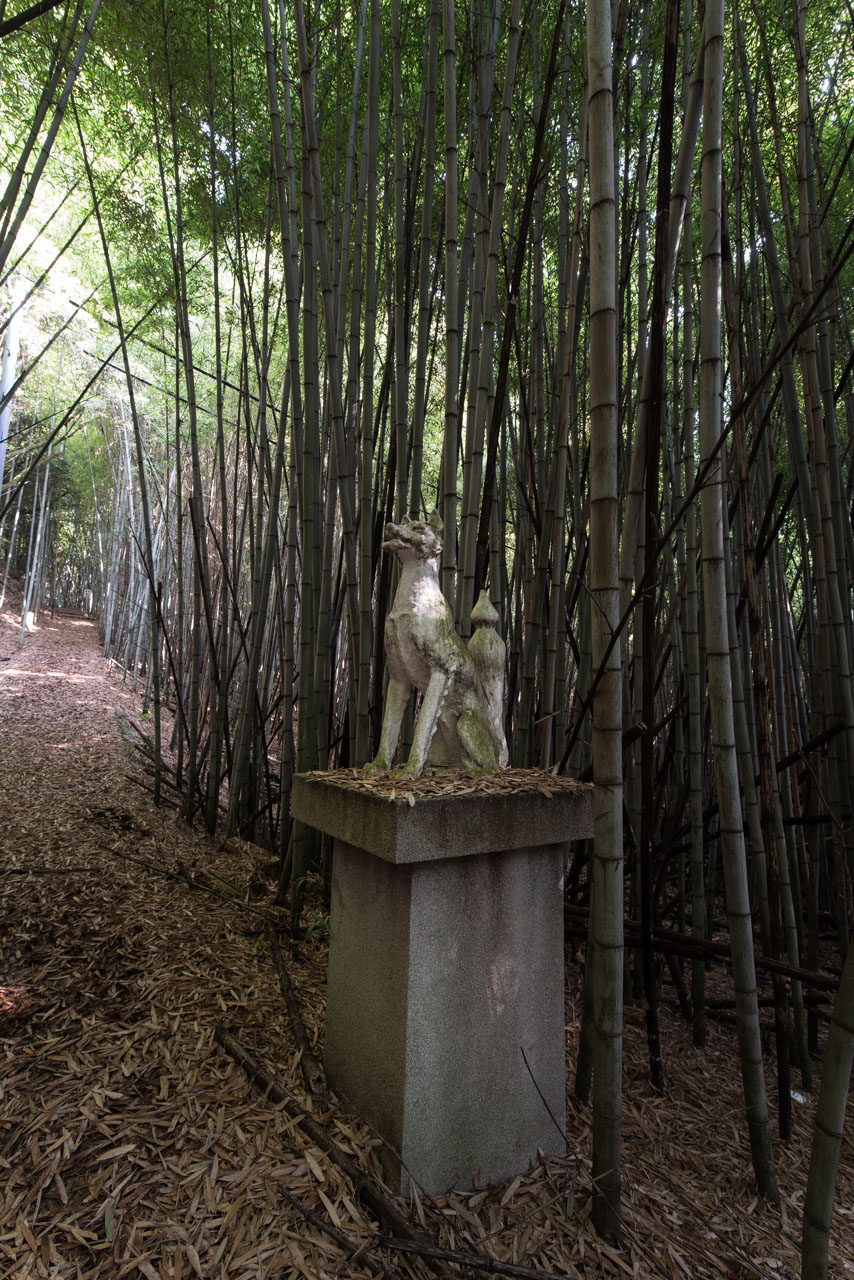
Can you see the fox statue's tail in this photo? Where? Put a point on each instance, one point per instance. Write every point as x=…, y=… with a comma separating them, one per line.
x=488, y=653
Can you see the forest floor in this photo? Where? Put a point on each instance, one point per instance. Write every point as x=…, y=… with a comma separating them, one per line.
x=130, y=1144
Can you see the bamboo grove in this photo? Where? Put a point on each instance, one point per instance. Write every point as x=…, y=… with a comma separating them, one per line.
x=581, y=280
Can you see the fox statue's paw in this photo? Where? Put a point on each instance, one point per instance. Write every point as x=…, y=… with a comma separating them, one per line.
x=405, y=773
x=374, y=767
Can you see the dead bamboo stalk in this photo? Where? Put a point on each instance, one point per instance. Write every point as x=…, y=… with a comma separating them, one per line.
x=355, y=1251
x=309, y=1064
x=477, y=1261
x=367, y=1191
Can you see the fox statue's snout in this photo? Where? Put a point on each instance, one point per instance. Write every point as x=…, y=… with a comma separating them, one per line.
x=423, y=537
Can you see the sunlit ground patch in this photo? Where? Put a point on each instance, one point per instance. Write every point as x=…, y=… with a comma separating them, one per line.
x=50, y=675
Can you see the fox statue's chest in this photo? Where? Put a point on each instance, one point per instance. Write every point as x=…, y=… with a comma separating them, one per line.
x=405, y=652
x=419, y=598
x=419, y=632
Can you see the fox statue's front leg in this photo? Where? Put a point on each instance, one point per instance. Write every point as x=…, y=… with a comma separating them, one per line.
x=425, y=727
x=397, y=697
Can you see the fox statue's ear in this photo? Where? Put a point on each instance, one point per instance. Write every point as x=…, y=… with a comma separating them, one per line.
x=435, y=522
x=406, y=520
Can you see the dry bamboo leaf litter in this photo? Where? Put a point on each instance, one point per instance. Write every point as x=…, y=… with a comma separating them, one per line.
x=436, y=782
x=130, y=1146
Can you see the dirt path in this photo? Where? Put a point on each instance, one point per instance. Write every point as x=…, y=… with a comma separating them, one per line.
x=129, y=1145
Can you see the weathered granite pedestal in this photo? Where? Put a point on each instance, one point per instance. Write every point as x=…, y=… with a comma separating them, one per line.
x=445, y=998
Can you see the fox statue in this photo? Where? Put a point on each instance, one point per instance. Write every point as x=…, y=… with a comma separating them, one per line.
x=461, y=721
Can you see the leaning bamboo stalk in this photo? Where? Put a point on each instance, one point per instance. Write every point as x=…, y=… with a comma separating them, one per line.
x=73, y=411
x=369, y=154
x=783, y=936
x=691, y=601
x=607, y=886
x=345, y=478
x=266, y=550
x=13, y=532
x=416, y=504
x=8, y=382
x=46, y=97
x=219, y=695
x=452, y=324
x=794, y=425
x=401, y=344
x=47, y=146
x=828, y=1130
x=109, y=611
x=474, y=266
x=363, y=1185
x=33, y=554
x=484, y=370
x=837, y=590
x=148, y=548
x=679, y=209
x=510, y=335
x=655, y=380
x=714, y=583
x=550, y=734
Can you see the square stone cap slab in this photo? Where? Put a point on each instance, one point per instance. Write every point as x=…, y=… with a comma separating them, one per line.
x=443, y=815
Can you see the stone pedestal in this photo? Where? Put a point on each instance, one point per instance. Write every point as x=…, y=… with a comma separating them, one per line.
x=445, y=1023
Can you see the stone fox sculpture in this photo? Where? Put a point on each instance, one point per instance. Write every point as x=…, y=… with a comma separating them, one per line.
x=460, y=725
